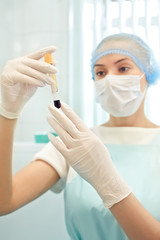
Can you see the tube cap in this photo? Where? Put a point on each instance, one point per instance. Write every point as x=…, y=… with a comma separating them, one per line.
x=48, y=58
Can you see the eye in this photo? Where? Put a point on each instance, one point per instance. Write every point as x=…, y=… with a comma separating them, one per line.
x=124, y=69
x=100, y=73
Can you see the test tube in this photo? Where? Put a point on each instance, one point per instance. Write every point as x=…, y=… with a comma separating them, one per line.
x=48, y=58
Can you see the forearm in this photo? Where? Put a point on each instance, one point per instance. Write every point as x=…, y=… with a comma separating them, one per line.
x=135, y=220
x=7, y=127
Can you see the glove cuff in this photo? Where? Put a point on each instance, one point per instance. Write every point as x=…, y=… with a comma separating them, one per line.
x=117, y=190
x=8, y=115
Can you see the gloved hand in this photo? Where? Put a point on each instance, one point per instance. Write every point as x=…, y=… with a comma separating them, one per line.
x=20, y=79
x=87, y=155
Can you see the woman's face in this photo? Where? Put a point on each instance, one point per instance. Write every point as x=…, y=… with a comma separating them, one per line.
x=116, y=64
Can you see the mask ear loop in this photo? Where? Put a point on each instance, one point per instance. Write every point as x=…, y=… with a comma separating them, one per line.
x=143, y=74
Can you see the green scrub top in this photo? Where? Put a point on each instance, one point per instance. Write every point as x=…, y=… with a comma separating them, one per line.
x=86, y=217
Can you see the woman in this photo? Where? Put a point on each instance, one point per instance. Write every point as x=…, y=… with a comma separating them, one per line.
x=115, y=192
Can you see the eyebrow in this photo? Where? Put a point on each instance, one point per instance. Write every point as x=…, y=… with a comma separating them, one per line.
x=120, y=60
x=97, y=65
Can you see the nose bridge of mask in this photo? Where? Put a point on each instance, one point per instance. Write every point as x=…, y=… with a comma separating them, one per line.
x=118, y=83
x=124, y=82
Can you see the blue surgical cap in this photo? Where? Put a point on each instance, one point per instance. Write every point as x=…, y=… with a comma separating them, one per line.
x=132, y=46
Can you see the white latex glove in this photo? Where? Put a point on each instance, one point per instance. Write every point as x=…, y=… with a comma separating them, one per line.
x=20, y=79
x=87, y=155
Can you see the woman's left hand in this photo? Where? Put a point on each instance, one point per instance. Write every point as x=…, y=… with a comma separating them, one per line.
x=84, y=151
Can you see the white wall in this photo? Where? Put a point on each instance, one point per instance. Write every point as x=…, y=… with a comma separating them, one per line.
x=25, y=27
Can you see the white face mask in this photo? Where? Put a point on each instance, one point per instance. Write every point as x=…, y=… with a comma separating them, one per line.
x=119, y=95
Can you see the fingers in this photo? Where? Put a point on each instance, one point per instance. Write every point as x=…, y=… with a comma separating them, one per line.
x=64, y=121
x=58, y=145
x=40, y=53
x=28, y=70
x=64, y=136
x=21, y=78
x=39, y=65
x=73, y=117
x=39, y=70
x=38, y=73
x=34, y=74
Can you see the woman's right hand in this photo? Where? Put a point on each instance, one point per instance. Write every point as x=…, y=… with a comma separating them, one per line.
x=20, y=79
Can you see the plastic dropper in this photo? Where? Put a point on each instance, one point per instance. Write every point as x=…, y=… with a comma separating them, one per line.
x=48, y=58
